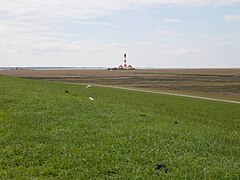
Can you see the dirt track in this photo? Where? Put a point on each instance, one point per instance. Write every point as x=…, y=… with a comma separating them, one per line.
x=171, y=94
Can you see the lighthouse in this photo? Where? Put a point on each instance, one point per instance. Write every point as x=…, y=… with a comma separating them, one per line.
x=125, y=65
x=125, y=60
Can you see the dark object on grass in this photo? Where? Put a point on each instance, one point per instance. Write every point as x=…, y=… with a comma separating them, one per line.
x=143, y=115
x=162, y=167
x=176, y=122
x=67, y=92
x=109, y=172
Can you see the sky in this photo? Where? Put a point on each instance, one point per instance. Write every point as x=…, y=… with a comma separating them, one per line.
x=94, y=33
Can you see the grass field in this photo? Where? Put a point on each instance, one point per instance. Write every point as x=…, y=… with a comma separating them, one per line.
x=52, y=130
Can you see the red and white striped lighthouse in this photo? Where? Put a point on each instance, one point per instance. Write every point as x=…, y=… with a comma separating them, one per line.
x=125, y=60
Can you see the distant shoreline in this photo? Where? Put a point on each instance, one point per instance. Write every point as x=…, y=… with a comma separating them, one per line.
x=99, y=68
x=52, y=68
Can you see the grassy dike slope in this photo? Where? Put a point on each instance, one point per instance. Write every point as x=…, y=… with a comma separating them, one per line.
x=46, y=132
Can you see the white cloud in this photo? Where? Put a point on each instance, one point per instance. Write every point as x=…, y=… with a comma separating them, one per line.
x=163, y=33
x=4, y=12
x=57, y=52
x=91, y=8
x=172, y=20
x=41, y=13
x=185, y=51
x=58, y=45
x=229, y=18
x=99, y=23
x=224, y=44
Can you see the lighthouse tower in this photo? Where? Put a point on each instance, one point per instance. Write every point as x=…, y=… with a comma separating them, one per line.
x=125, y=65
x=125, y=61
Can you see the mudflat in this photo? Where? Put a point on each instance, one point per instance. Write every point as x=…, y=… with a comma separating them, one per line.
x=214, y=83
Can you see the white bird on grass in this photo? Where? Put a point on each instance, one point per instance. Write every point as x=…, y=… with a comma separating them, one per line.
x=91, y=98
x=88, y=86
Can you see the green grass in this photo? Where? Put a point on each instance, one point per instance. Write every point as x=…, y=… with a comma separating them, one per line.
x=46, y=133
